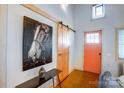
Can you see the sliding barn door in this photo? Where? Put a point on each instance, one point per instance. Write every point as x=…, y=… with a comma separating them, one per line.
x=63, y=51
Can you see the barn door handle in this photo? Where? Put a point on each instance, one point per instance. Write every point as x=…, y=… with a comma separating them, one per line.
x=60, y=54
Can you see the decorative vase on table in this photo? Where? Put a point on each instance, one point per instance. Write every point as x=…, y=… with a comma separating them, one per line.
x=42, y=72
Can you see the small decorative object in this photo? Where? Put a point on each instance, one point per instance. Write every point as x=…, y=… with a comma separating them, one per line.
x=42, y=73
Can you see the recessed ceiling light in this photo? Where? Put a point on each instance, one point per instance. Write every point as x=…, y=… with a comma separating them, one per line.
x=64, y=6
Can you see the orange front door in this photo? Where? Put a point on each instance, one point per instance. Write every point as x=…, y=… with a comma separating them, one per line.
x=92, y=51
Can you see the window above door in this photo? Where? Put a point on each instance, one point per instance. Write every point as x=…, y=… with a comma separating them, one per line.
x=98, y=11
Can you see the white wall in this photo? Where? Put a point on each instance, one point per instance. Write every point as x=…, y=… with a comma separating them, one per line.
x=57, y=11
x=15, y=75
x=114, y=18
x=3, y=20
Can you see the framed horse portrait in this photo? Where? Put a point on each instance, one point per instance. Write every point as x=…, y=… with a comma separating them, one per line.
x=37, y=43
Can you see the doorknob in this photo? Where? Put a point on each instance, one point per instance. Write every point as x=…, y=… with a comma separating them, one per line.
x=100, y=54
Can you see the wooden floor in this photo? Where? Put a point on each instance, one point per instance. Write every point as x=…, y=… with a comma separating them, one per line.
x=80, y=79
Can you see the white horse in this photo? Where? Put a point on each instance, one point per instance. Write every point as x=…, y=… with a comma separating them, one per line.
x=41, y=36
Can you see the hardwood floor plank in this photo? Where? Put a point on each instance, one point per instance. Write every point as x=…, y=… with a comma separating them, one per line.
x=81, y=79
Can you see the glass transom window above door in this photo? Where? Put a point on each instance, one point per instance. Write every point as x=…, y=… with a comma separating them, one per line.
x=98, y=11
x=92, y=38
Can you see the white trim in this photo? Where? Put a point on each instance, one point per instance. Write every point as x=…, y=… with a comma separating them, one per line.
x=3, y=43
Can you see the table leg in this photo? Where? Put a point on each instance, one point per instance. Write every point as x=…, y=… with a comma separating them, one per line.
x=59, y=80
x=53, y=82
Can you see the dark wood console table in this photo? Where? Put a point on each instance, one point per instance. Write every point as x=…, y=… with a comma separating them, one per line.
x=36, y=82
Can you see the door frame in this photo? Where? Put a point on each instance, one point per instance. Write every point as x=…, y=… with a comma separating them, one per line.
x=101, y=47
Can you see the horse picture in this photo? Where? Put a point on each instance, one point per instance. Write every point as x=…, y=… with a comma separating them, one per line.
x=37, y=43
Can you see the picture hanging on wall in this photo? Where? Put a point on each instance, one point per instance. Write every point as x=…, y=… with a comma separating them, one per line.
x=37, y=43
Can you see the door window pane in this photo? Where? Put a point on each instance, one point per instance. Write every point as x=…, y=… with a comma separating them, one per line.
x=92, y=38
